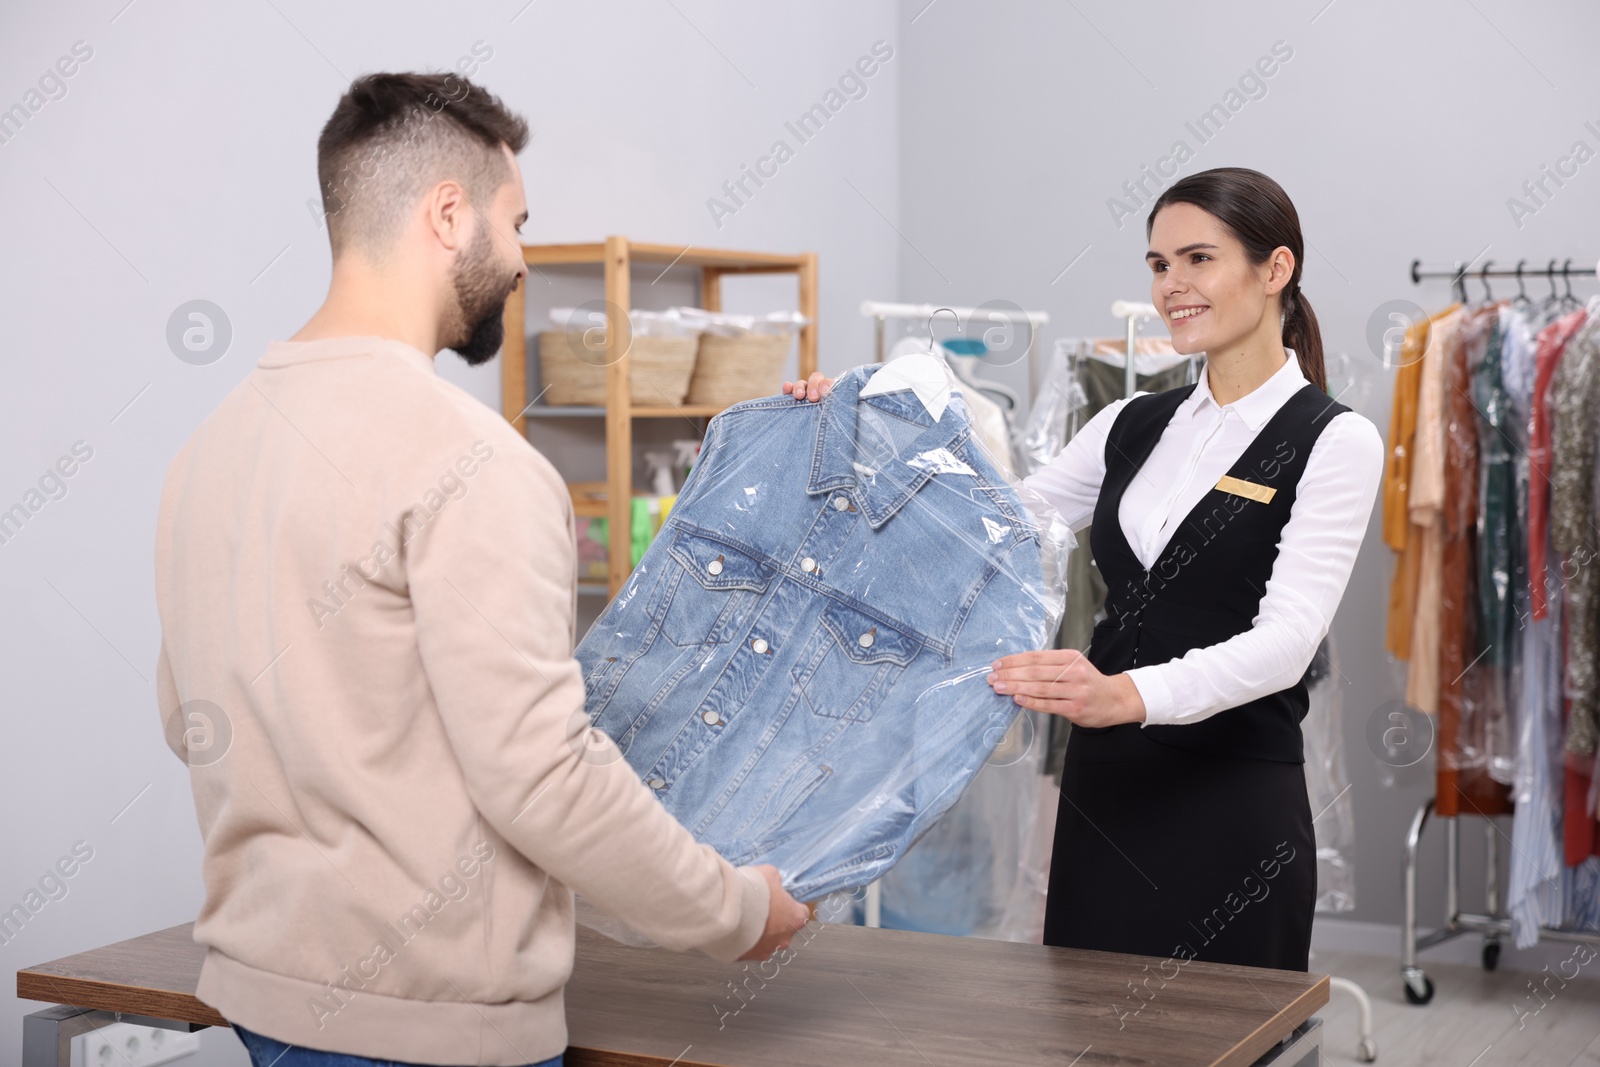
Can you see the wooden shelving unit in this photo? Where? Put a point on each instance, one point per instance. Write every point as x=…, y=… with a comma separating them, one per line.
x=617, y=255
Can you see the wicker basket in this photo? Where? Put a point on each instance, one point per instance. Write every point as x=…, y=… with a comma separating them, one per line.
x=658, y=369
x=731, y=369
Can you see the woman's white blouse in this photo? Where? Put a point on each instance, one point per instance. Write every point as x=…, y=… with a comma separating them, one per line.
x=1315, y=553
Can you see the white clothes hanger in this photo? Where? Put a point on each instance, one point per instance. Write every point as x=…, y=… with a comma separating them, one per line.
x=922, y=372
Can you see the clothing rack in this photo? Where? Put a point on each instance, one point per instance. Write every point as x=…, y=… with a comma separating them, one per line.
x=1459, y=274
x=1445, y=803
x=1132, y=312
x=881, y=312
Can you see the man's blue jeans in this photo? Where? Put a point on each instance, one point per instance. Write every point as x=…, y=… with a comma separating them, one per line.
x=269, y=1052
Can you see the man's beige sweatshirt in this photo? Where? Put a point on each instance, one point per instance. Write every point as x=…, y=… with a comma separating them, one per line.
x=366, y=582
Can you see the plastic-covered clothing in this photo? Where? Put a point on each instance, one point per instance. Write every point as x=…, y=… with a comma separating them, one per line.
x=1463, y=712
x=1424, y=505
x=1498, y=540
x=984, y=867
x=797, y=665
x=1397, y=529
x=1575, y=437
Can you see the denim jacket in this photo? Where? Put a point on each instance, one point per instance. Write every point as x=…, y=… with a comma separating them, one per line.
x=796, y=666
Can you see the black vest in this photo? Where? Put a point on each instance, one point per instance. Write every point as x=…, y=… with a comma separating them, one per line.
x=1207, y=584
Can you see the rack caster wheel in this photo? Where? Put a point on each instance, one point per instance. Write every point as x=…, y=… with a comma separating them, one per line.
x=1491, y=955
x=1367, y=1051
x=1418, y=987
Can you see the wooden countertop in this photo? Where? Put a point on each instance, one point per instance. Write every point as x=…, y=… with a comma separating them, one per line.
x=848, y=995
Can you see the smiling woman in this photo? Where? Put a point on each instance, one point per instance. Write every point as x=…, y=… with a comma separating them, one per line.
x=1226, y=516
x=1234, y=233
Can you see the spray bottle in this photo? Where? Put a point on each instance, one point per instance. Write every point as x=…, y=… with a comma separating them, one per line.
x=687, y=453
x=660, y=465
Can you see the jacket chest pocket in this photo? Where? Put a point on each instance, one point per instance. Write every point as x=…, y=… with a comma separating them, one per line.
x=715, y=589
x=852, y=662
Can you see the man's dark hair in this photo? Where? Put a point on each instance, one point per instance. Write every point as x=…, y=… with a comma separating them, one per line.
x=394, y=136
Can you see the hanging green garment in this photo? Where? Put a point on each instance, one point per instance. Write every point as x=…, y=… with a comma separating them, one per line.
x=1501, y=558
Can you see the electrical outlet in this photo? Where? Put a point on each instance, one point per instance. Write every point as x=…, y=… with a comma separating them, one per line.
x=127, y=1045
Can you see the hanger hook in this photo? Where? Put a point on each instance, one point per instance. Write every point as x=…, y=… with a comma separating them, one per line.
x=1522, y=293
x=930, y=325
x=1550, y=276
x=1483, y=276
x=1566, y=277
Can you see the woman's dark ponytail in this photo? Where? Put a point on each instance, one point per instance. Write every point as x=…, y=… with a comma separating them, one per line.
x=1260, y=214
x=1301, y=333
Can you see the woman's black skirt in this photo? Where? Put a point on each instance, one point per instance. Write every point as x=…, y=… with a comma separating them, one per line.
x=1161, y=851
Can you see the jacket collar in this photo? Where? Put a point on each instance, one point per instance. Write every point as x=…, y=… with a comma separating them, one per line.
x=1256, y=406
x=878, y=479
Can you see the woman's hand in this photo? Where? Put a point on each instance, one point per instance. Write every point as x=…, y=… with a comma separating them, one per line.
x=1063, y=682
x=813, y=388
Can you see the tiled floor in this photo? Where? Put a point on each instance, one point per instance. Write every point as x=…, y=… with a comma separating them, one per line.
x=1471, y=1021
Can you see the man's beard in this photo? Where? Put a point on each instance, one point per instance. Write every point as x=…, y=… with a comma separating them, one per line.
x=481, y=294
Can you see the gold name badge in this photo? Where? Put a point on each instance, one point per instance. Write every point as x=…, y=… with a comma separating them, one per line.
x=1248, y=490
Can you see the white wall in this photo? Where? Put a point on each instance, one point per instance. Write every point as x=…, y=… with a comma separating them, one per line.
x=1399, y=130
x=178, y=166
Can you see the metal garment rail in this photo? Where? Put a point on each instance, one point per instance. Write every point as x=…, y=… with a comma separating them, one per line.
x=1495, y=925
x=1459, y=274
x=880, y=313
x=1132, y=311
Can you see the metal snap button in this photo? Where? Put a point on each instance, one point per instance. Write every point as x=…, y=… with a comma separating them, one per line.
x=866, y=639
x=657, y=783
x=808, y=564
x=715, y=566
x=711, y=717
x=759, y=644
x=841, y=503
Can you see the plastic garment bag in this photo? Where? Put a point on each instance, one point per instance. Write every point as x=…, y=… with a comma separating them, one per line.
x=1327, y=784
x=984, y=868
x=1327, y=781
x=1465, y=682
x=797, y=666
x=1056, y=412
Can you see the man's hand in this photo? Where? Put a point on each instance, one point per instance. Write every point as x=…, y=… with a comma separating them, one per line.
x=785, y=917
x=1063, y=682
x=813, y=388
